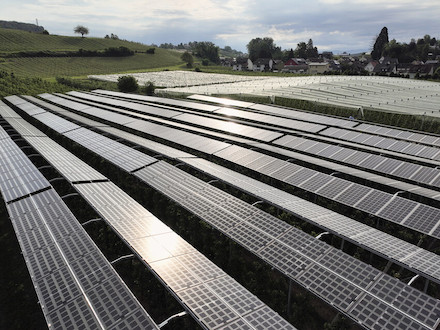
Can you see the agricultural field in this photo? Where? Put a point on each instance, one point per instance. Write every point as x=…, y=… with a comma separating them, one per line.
x=12, y=41
x=16, y=48
x=399, y=95
x=48, y=67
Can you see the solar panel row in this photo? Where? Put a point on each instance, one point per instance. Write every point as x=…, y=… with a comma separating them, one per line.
x=75, y=284
x=221, y=302
x=292, y=113
x=243, y=232
x=421, y=261
x=384, y=205
x=334, y=276
x=404, y=147
x=213, y=297
x=378, y=163
x=296, y=175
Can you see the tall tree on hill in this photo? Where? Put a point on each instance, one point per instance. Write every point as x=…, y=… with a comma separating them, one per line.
x=312, y=52
x=379, y=45
x=81, y=29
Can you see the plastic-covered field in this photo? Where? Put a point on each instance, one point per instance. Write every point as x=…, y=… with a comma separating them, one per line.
x=416, y=97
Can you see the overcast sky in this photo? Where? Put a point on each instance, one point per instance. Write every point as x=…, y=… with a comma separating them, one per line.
x=335, y=25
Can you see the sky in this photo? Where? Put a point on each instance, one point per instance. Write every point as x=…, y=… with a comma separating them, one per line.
x=333, y=25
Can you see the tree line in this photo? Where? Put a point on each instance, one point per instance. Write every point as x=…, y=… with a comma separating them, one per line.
x=420, y=50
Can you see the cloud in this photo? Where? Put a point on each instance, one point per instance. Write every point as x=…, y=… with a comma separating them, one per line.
x=330, y=23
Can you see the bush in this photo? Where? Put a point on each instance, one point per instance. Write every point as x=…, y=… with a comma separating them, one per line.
x=197, y=69
x=148, y=88
x=205, y=62
x=127, y=84
x=151, y=50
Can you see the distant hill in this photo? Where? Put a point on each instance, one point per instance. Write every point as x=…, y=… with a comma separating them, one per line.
x=23, y=53
x=14, y=41
x=21, y=26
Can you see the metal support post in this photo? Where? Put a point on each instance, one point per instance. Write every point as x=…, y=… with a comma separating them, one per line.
x=342, y=245
x=289, y=297
x=322, y=234
x=128, y=256
x=70, y=195
x=164, y=323
x=425, y=289
x=90, y=221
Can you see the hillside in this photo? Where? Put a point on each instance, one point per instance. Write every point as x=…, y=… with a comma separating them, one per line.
x=13, y=42
x=21, y=26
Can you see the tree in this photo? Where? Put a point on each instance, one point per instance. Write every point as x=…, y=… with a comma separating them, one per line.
x=379, y=45
x=127, y=84
x=81, y=30
x=311, y=51
x=263, y=48
x=188, y=58
x=149, y=88
x=206, y=49
x=301, y=50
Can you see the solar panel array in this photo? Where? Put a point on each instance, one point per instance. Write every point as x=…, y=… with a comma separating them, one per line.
x=421, y=261
x=405, y=147
x=339, y=190
x=332, y=275
x=378, y=163
x=384, y=205
x=382, y=164
x=215, y=206
x=316, y=118
x=75, y=284
x=214, y=298
x=176, y=184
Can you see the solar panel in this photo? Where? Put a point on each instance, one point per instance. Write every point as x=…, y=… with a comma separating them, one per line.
x=70, y=166
x=170, y=256
x=67, y=268
x=7, y=112
x=23, y=127
x=151, y=110
x=386, y=143
x=229, y=127
x=19, y=176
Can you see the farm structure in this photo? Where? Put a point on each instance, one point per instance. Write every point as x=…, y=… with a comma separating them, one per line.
x=340, y=192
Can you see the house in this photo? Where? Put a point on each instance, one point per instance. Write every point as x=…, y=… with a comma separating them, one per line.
x=421, y=70
x=403, y=69
x=318, y=67
x=240, y=64
x=386, y=66
x=295, y=65
x=277, y=66
x=263, y=64
x=370, y=66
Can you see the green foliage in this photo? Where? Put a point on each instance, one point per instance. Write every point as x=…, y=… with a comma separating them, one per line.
x=87, y=84
x=10, y=84
x=187, y=58
x=380, y=43
x=151, y=50
x=12, y=41
x=148, y=88
x=206, y=49
x=46, y=67
x=81, y=29
x=205, y=62
x=127, y=84
x=262, y=48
